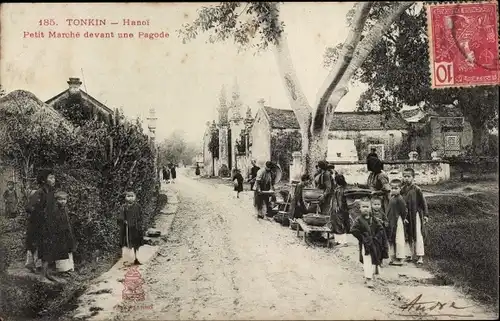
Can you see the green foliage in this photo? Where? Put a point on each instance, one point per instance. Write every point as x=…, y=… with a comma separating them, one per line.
x=29, y=141
x=93, y=163
x=74, y=109
x=224, y=171
x=282, y=146
x=248, y=23
x=175, y=149
x=362, y=145
x=397, y=73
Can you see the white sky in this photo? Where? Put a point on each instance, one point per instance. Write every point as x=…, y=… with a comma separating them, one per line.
x=181, y=81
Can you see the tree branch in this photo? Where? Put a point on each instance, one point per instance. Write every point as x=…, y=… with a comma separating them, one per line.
x=361, y=53
x=298, y=100
x=345, y=57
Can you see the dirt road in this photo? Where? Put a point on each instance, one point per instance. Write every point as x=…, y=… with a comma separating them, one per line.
x=220, y=262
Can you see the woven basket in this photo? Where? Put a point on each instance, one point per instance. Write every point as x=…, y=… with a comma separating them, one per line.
x=311, y=194
x=316, y=219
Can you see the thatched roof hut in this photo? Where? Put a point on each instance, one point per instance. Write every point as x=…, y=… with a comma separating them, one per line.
x=20, y=102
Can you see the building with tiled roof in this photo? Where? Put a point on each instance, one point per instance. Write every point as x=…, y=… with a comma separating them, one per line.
x=365, y=129
x=93, y=107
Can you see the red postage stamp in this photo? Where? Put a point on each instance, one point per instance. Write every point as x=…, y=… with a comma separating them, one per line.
x=463, y=44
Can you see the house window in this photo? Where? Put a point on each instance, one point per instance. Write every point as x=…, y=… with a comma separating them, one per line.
x=339, y=155
x=452, y=142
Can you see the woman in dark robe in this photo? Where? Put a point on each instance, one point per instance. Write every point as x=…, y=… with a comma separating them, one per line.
x=238, y=182
x=379, y=181
x=340, y=220
x=43, y=224
x=173, y=173
x=298, y=206
x=166, y=175
x=197, y=171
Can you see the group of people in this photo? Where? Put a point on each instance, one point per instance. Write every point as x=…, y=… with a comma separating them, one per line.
x=169, y=173
x=50, y=238
x=390, y=225
x=393, y=231
x=332, y=201
x=49, y=233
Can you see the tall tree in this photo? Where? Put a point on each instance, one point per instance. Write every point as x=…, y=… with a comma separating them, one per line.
x=236, y=103
x=258, y=23
x=397, y=74
x=175, y=149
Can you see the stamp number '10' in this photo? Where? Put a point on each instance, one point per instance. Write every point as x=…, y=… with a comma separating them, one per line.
x=463, y=44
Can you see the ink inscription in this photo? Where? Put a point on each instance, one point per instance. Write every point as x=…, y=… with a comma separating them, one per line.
x=418, y=307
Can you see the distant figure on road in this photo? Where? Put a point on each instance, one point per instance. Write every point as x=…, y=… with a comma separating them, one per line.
x=238, y=182
x=253, y=174
x=166, y=174
x=173, y=173
x=197, y=171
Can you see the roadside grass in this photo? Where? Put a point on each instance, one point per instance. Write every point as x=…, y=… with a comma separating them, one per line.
x=462, y=242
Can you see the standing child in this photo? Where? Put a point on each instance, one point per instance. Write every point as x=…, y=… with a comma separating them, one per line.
x=10, y=198
x=372, y=241
x=417, y=215
x=66, y=235
x=397, y=217
x=131, y=229
x=238, y=182
x=379, y=214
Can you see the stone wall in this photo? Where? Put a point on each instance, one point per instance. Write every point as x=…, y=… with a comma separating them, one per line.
x=391, y=139
x=427, y=172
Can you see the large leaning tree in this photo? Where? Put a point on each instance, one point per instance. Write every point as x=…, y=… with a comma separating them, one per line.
x=258, y=24
x=397, y=73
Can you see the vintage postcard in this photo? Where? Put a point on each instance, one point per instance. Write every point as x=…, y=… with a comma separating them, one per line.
x=249, y=160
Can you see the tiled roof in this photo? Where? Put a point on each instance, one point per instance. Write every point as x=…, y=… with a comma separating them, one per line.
x=85, y=96
x=282, y=118
x=353, y=121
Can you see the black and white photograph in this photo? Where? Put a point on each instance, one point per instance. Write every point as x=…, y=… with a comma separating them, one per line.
x=249, y=161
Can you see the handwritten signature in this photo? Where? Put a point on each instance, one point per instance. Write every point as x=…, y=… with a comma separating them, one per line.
x=421, y=307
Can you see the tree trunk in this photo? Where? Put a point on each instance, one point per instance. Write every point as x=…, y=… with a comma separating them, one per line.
x=362, y=51
x=480, y=140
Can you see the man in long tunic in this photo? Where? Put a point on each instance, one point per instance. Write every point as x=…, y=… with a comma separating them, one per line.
x=264, y=181
x=417, y=215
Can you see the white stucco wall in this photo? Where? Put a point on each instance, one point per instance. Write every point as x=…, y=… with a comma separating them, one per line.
x=261, y=138
x=380, y=134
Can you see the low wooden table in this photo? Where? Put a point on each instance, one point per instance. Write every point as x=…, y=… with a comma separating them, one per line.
x=311, y=228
